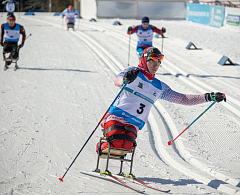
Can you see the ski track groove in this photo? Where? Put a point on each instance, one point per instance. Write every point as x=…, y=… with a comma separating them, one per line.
x=208, y=87
x=58, y=82
x=190, y=63
x=60, y=89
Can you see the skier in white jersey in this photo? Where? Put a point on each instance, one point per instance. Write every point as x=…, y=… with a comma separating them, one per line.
x=70, y=13
x=144, y=34
x=10, y=35
x=10, y=6
x=130, y=111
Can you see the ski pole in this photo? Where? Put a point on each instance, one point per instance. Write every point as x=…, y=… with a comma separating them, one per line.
x=129, y=48
x=25, y=40
x=18, y=9
x=28, y=36
x=162, y=43
x=3, y=10
x=61, y=179
x=170, y=142
x=78, y=22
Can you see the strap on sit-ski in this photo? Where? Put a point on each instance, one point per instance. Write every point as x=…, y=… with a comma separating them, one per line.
x=124, y=128
x=121, y=137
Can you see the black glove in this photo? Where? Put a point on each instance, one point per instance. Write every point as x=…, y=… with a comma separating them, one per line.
x=130, y=76
x=21, y=45
x=2, y=44
x=217, y=97
x=163, y=29
x=130, y=28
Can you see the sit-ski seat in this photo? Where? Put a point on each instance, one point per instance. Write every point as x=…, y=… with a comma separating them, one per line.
x=114, y=153
x=8, y=60
x=70, y=25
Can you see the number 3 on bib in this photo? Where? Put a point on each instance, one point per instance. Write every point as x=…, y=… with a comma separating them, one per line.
x=140, y=110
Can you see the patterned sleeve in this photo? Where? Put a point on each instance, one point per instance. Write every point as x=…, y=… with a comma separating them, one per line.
x=135, y=29
x=64, y=12
x=77, y=13
x=23, y=32
x=172, y=96
x=156, y=30
x=2, y=32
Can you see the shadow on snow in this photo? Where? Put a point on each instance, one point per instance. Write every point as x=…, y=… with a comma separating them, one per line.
x=56, y=69
x=213, y=183
x=202, y=76
x=180, y=182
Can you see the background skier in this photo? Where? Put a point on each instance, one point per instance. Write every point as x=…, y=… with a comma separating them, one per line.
x=10, y=34
x=70, y=13
x=144, y=34
x=10, y=6
x=132, y=107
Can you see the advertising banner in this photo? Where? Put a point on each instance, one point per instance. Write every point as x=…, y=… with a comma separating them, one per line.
x=198, y=13
x=232, y=18
x=217, y=16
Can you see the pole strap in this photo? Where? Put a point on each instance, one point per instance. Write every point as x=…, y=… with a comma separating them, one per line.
x=120, y=127
x=122, y=137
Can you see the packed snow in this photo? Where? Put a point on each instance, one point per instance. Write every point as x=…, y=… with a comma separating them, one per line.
x=64, y=85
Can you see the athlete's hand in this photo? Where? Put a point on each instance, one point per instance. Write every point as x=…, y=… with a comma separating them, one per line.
x=163, y=29
x=130, y=76
x=2, y=44
x=217, y=97
x=130, y=28
x=21, y=45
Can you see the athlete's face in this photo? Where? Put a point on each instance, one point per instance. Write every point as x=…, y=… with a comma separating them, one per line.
x=11, y=23
x=153, y=66
x=145, y=25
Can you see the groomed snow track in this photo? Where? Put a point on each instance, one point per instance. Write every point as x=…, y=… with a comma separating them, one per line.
x=181, y=160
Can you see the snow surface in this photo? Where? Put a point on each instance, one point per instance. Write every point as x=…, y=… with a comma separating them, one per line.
x=51, y=105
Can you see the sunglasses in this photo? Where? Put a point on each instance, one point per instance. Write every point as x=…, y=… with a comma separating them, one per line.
x=154, y=56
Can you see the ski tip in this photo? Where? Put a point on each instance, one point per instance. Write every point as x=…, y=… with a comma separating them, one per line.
x=169, y=143
x=61, y=179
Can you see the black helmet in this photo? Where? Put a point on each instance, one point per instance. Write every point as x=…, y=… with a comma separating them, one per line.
x=151, y=50
x=145, y=19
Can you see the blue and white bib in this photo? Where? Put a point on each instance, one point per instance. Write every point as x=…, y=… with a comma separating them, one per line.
x=137, y=99
x=144, y=37
x=11, y=34
x=10, y=7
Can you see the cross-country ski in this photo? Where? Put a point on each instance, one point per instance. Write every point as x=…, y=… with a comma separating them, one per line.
x=135, y=180
x=110, y=177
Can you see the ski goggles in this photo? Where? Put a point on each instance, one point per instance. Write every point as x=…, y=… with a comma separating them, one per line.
x=154, y=56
